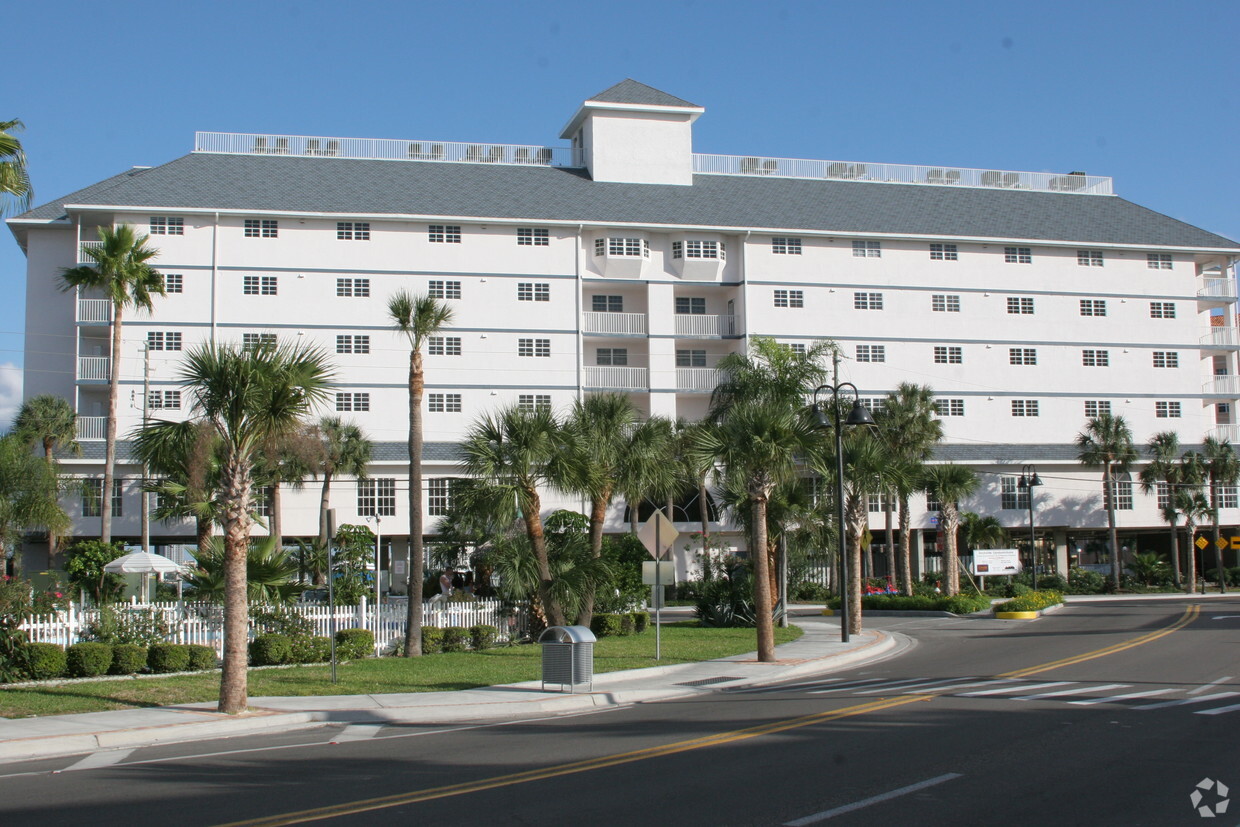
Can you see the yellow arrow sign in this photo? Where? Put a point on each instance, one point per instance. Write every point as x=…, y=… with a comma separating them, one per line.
x=1201, y=543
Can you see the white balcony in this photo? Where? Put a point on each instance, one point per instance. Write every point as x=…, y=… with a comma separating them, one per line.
x=384, y=149
x=696, y=380
x=94, y=311
x=1228, y=385
x=92, y=428
x=1217, y=289
x=614, y=324
x=1227, y=433
x=691, y=326
x=82, y=257
x=616, y=378
x=1221, y=338
x=93, y=368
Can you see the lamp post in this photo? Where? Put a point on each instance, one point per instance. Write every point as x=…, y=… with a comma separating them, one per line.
x=1028, y=481
x=857, y=416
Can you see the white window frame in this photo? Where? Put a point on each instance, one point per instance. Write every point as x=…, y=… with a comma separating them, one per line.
x=867, y=249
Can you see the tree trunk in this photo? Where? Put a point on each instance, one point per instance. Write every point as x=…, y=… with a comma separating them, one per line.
x=233, y=678
x=635, y=509
x=1190, y=561
x=53, y=560
x=275, y=522
x=1218, y=549
x=951, y=558
x=320, y=578
x=889, y=545
x=417, y=552
x=1175, y=552
x=202, y=532
x=856, y=516
x=109, y=450
x=1117, y=565
x=598, y=514
x=703, y=513
x=532, y=512
x=906, y=550
x=762, y=583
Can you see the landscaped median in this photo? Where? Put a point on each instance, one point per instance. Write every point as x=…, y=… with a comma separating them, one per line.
x=1028, y=606
x=957, y=604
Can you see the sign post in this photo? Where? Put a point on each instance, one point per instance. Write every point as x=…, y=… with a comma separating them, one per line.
x=658, y=535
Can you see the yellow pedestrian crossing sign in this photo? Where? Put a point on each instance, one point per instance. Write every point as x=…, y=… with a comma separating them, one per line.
x=1222, y=543
x=1201, y=543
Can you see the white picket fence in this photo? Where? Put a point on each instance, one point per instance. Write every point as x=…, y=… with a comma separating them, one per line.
x=203, y=623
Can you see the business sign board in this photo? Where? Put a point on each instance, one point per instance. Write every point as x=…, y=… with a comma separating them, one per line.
x=996, y=561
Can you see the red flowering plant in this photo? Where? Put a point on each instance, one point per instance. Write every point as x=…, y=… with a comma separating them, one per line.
x=19, y=602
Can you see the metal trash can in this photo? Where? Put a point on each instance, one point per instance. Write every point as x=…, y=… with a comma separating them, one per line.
x=567, y=656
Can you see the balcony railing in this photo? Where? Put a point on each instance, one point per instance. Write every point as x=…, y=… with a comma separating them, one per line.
x=689, y=325
x=1227, y=433
x=94, y=311
x=1217, y=289
x=614, y=324
x=383, y=149
x=92, y=428
x=1223, y=338
x=93, y=368
x=1077, y=183
x=696, y=380
x=616, y=378
x=83, y=258
x=1229, y=385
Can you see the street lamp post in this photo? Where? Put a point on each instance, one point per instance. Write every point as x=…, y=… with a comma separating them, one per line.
x=1029, y=480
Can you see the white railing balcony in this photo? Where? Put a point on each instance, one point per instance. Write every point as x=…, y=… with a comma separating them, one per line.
x=696, y=380
x=93, y=368
x=1223, y=338
x=82, y=257
x=1072, y=182
x=94, y=311
x=616, y=378
x=1229, y=385
x=92, y=428
x=1222, y=289
x=1227, y=433
x=384, y=149
x=614, y=324
x=700, y=326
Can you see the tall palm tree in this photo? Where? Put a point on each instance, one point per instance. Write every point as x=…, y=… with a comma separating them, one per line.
x=185, y=458
x=418, y=317
x=1195, y=506
x=769, y=370
x=950, y=484
x=981, y=532
x=512, y=452
x=653, y=474
x=867, y=469
x=910, y=427
x=288, y=460
x=1106, y=442
x=1165, y=469
x=246, y=395
x=48, y=421
x=14, y=177
x=1223, y=467
x=345, y=452
x=121, y=271
x=28, y=498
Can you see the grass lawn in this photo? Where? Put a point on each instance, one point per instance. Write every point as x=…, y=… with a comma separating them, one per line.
x=682, y=643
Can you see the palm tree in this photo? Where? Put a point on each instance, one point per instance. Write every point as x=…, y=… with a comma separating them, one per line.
x=270, y=573
x=28, y=497
x=769, y=370
x=1223, y=467
x=418, y=318
x=867, y=469
x=653, y=475
x=1165, y=469
x=49, y=421
x=14, y=177
x=185, y=457
x=288, y=460
x=1106, y=442
x=1195, y=506
x=950, y=484
x=247, y=395
x=345, y=452
x=981, y=532
x=122, y=272
x=911, y=429
x=512, y=453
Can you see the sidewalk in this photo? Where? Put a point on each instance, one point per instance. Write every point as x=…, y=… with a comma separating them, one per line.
x=816, y=652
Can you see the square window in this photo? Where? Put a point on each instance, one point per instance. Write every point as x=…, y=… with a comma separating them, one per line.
x=798, y=348
x=533, y=347
x=949, y=407
x=1158, y=261
x=947, y=355
x=1020, y=306
x=1022, y=356
x=607, y=304
x=252, y=341
x=867, y=301
x=164, y=400
x=600, y=246
x=376, y=497
x=943, y=252
x=941, y=303
x=871, y=353
x=259, y=285
x=1162, y=310
x=694, y=305
x=699, y=249
x=786, y=246
x=628, y=247
x=789, y=298
x=1095, y=408
x=353, y=231
x=444, y=233
x=161, y=225
x=1018, y=255
x=533, y=291
x=867, y=249
x=531, y=402
x=678, y=249
x=352, y=401
x=261, y=228
x=1096, y=358
x=353, y=288
x=1227, y=497
x=1093, y=307
x=445, y=290
x=690, y=358
x=443, y=402
x=605, y=356
x=874, y=404
x=174, y=283
x=443, y=346
x=1167, y=410
x=1166, y=359
x=159, y=340
x=1011, y=495
x=1089, y=258
x=1024, y=407
x=353, y=343
x=533, y=237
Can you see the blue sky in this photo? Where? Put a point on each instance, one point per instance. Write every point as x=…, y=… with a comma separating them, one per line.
x=1146, y=92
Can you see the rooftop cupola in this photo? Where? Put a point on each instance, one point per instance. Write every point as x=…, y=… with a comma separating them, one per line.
x=635, y=134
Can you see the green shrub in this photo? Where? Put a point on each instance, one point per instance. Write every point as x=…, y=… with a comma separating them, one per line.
x=1084, y=581
x=271, y=650
x=127, y=659
x=455, y=639
x=201, y=658
x=963, y=604
x=432, y=640
x=956, y=604
x=310, y=649
x=168, y=657
x=626, y=624
x=1031, y=602
x=641, y=622
x=606, y=625
x=354, y=644
x=727, y=601
x=1233, y=575
x=1052, y=583
x=46, y=660
x=117, y=624
x=88, y=660
x=812, y=592
x=483, y=636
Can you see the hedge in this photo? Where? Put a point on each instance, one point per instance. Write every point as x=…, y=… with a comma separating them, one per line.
x=641, y=621
x=607, y=625
x=202, y=658
x=432, y=640
x=455, y=639
x=354, y=644
x=168, y=657
x=483, y=636
x=47, y=660
x=88, y=660
x=956, y=604
x=310, y=649
x=128, y=659
x=271, y=650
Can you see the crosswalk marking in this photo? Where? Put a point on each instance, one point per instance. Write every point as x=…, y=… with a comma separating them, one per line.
x=945, y=689
x=1184, y=702
x=1221, y=710
x=1064, y=692
x=356, y=732
x=1205, y=687
x=1144, y=694
x=1007, y=690
x=100, y=759
x=902, y=686
x=843, y=687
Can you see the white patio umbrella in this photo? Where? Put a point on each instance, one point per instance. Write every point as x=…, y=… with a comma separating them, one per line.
x=144, y=563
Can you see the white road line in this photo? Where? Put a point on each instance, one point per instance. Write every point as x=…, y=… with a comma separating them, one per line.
x=1206, y=686
x=792, y=687
x=1145, y=694
x=901, y=686
x=1080, y=691
x=99, y=759
x=877, y=799
x=1010, y=689
x=987, y=682
x=356, y=732
x=1222, y=710
x=1201, y=700
x=846, y=686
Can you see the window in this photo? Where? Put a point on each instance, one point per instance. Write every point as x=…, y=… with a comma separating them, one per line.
x=1012, y=495
x=1089, y=258
x=533, y=237
x=174, y=283
x=92, y=498
x=534, y=347
x=533, y=291
x=444, y=290
x=632, y=247
x=943, y=252
x=259, y=285
x=438, y=497
x=789, y=298
x=798, y=348
x=614, y=356
x=871, y=353
x=949, y=407
x=691, y=306
x=867, y=301
x=1167, y=410
x=534, y=401
x=346, y=401
x=353, y=231
x=161, y=225
x=1162, y=310
x=261, y=502
x=1018, y=255
x=444, y=233
x=353, y=343
x=945, y=355
x=353, y=288
x=1164, y=495
x=874, y=404
x=376, y=497
x=941, y=303
x=607, y=304
x=1227, y=497
x=443, y=346
x=690, y=358
x=1123, y=493
x=1166, y=359
x=703, y=249
x=932, y=503
x=1020, y=306
x=878, y=503
x=1093, y=307
x=164, y=400
x=1022, y=356
x=253, y=341
x=1024, y=407
x=1158, y=261
x=159, y=340
x=443, y=402
x=786, y=246
x=261, y=228
x=1095, y=408
x=867, y=249
x=1096, y=358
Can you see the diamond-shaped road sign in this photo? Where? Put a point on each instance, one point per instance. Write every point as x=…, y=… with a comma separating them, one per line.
x=1222, y=543
x=1201, y=543
x=657, y=535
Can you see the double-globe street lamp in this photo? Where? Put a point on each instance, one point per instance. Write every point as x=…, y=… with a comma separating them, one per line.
x=1028, y=481
x=859, y=415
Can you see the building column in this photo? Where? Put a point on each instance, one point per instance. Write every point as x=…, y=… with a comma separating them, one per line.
x=1062, y=562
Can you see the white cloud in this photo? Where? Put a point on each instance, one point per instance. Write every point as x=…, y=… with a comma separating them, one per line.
x=10, y=393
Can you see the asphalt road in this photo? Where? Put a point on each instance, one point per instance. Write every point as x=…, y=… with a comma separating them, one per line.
x=1100, y=714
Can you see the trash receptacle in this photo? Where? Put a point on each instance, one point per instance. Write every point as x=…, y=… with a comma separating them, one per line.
x=567, y=656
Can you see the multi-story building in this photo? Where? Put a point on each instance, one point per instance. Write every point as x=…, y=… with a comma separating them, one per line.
x=624, y=261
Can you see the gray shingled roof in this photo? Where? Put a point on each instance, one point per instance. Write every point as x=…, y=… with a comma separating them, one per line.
x=339, y=185
x=631, y=91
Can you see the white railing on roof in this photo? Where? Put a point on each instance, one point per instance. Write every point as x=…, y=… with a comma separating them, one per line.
x=93, y=367
x=95, y=310
x=1229, y=385
x=688, y=324
x=83, y=258
x=91, y=428
x=614, y=324
x=902, y=174
x=1216, y=289
x=1221, y=337
x=616, y=378
x=696, y=380
x=384, y=149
